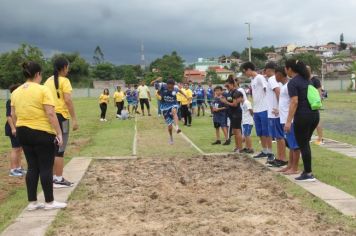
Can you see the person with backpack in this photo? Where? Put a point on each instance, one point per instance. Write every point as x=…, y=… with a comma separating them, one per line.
x=303, y=112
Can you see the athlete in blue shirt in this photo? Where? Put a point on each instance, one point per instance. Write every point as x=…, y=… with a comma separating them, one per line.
x=200, y=92
x=128, y=95
x=210, y=96
x=169, y=105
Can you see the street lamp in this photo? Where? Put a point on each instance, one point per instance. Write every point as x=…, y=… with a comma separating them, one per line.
x=249, y=39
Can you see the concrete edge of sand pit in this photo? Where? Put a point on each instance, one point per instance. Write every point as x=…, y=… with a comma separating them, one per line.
x=35, y=223
x=338, y=199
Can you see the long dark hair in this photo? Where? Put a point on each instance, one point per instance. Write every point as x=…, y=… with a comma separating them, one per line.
x=106, y=91
x=59, y=64
x=29, y=69
x=298, y=67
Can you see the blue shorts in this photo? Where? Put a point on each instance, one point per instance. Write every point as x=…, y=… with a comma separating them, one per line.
x=220, y=122
x=200, y=102
x=246, y=130
x=194, y=104
x=275, y=128
x=291, y=142
x=168, y=114
x=261, y=123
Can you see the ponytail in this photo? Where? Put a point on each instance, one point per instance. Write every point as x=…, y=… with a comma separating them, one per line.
x=59, y=64
x=298, y=67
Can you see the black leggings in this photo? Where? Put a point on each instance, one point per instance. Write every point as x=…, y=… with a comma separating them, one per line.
x=304, y=126
x=103, y=108
x=143, y=102
x=39, y=149
x=186, y=114
x=120, y=106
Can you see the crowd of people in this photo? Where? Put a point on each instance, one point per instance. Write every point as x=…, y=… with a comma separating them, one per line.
x=284, y=109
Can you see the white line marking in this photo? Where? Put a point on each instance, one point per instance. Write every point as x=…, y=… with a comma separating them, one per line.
x=191, y=143
x=134, y=144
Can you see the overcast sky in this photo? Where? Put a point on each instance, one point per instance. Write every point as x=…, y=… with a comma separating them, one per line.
x=194, y=28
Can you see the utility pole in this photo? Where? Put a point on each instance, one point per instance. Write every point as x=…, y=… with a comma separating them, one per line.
x=249, y=39
x=143, y=61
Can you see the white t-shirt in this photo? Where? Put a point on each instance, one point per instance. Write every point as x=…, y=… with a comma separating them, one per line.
x=247, y=118
x=258, y=85
x=243, y=93
x=284, y=101
x=143, y=91
x=271, y=97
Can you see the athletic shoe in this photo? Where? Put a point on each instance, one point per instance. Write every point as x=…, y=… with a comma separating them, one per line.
x=105, y=120
x=278, y=163
x=62, y=184
x=118, y=116
x=22, y=170
x=236, y=150
x=149, y=114
x=260, y=155
x=270, y=158
x=189, y=125
x=216, y=142
x=16, y=173
x=171, y=141
x=101, y=119
x=319, y=142
x=306, y=177
x=250, y=151
x=179, y=131
x=227, y=142
x=55, y=205
x=35, y=206
x=243, y=150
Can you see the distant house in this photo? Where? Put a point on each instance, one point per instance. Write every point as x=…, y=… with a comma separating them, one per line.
x=222, y=73
x=101, y=84
x=273, y=56
x=338, y=65
x=203, y=64
x=195, y=76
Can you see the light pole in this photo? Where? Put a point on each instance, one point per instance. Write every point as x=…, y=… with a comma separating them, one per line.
x=249, y=39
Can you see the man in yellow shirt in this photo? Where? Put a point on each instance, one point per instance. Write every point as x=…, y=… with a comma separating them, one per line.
x=144, y=97
x=61, y=90
x=186, y=101
x=119, y=97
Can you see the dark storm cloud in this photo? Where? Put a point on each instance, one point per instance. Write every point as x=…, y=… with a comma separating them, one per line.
x=194, y=28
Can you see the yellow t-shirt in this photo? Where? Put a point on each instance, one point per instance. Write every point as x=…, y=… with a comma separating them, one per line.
x=104, y=98
x=64, y=86
x=189, y=94
x=119, y=96
x=179, y=97
x=28, y=101
x=143, y=91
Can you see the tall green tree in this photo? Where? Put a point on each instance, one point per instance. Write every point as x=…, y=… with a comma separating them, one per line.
x=104, y=71
x=11, y=64
x=98, y=56
x=342, y=45
x=311, y=60
x=235, y=54
x=169, y=66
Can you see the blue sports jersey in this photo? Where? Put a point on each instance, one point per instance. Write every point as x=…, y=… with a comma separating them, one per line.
x=135, y=95
x=169, y=98
x=128, y=95
x=220, y=115
x=210, y=93
x=200, y=92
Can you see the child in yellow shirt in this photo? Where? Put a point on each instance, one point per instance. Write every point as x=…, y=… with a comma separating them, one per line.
x=103, y=103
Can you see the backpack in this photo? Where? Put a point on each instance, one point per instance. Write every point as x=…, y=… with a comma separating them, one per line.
x=314, y=98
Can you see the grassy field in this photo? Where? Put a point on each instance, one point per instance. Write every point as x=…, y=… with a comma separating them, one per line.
x=114, y=138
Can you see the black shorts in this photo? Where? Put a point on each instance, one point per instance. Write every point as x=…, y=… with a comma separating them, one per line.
x=235, y=122
x=15, y=143
x=144, y=101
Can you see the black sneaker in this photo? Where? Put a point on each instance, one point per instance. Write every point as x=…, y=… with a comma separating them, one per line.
x=249, y=151
x=62, y=184
x=227, y=142
x=306, y=177
x=244, y=150
x=278, y=163
x=260, y=155
x=189, y=125
x=179, y=131
x=270, y=158
x=216, y=142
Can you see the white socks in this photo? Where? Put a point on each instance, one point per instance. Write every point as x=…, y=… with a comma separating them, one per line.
x=58, y=178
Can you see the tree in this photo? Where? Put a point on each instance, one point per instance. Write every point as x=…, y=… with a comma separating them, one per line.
x=169, y=66
x=128, y=73
x=98, y=56
x=311, y=60
x=343, y=45
x=235, y=54
x=10, y=64
x=213, y=77
x=104, y=71
x=234, y=66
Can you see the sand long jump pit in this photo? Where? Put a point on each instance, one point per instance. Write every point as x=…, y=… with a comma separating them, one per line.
x=212, y=195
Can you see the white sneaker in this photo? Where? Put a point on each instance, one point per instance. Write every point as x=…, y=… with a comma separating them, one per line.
x=101, y=119
x=105, y=120
x=55, y=205
x=35, y=206
x=118, y=116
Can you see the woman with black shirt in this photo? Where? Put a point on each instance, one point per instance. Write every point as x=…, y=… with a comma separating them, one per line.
x=305, y=119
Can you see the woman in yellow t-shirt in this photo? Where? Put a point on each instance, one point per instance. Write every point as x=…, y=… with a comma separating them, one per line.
x=103, y=103
x=119, y=97
x=37, y=128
